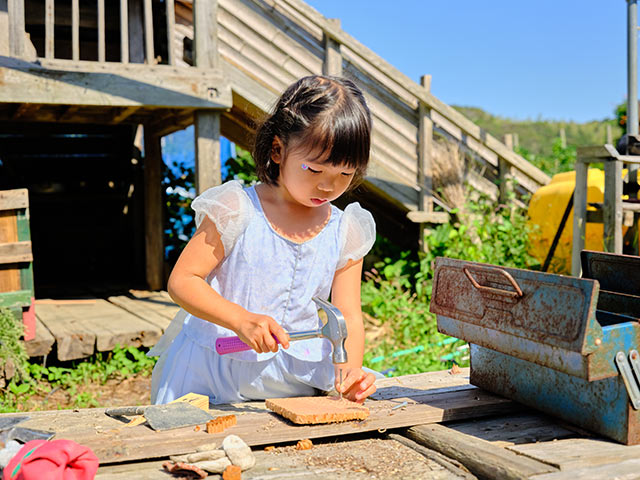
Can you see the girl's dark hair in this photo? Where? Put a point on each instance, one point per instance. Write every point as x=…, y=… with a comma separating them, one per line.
x=329, y=113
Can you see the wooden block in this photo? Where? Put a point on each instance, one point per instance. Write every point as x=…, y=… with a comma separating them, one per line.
x=312, y=410
x=42, y=343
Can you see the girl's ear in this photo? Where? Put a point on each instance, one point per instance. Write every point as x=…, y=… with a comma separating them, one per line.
x=277, y=150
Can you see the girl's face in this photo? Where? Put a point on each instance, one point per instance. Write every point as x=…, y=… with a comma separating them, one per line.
x=308, y=180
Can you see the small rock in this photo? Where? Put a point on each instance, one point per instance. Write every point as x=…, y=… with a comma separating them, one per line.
x=238, y=452
x=208, y=455
x=8, y=452
x=214, y=466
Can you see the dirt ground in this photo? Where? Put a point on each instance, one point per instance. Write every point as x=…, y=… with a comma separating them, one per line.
x=114, y=393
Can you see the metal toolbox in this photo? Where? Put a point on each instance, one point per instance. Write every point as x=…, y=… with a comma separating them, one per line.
x=566, y=346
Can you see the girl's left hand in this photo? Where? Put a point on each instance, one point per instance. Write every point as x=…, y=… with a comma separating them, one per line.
x=356, y=383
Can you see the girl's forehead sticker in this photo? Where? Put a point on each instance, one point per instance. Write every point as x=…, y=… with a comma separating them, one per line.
x=305, y=166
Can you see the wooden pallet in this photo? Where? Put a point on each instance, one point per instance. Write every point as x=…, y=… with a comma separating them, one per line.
x=81, y=327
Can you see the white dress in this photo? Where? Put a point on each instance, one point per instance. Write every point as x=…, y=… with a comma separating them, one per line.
x=267, y=274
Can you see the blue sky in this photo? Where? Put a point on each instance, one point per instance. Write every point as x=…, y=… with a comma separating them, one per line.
x=548, y=59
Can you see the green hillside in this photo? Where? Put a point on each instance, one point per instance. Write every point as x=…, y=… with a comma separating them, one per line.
x=537, y=136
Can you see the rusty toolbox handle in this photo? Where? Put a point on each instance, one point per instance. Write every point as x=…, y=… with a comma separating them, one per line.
x=497, y=291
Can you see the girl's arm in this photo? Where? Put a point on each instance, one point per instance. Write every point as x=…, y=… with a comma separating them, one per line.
x=189, y=288
x=345, y=295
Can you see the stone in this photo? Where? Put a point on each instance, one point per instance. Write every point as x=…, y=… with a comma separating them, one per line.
x=238, y=452
x=214, y=466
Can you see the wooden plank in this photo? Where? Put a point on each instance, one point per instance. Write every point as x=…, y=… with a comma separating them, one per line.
x=16, y=28
x=49, y=26
x=14, y=199
x=143, y=309
x=579, y=217
x=42, y=344
x=67, y=83
x=574, y=453
x=205, y=33
x=626, y=470
x=332, y=64
x=171, y=28
x=482, y=458
x=428, y=217
x=124, y=31
x=368, y=458
x=154, y=248
x=92, y=428
x=74, y=338
x=101, y=32
x=75, y=30
x=9, y=274
x=519, y=428
x=207, y=140
x=77, y=328
x=15, y=299
x=425, y=151
x=406, y=385
x=15, y=252
x=612, y=207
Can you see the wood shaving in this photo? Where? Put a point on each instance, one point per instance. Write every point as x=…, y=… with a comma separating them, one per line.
x=305, y=444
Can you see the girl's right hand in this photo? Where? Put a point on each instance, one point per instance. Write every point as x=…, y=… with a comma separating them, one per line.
x=258, y=331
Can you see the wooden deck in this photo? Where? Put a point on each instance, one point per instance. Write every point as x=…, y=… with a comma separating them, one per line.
x=78, y=328
x=448, y=429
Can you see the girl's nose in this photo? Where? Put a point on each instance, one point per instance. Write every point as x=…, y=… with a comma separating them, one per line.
x=325, y=186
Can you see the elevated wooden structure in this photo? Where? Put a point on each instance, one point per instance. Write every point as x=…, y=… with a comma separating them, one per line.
x=220, y=64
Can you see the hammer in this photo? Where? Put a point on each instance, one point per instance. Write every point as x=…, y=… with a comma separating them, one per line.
x=335, y=330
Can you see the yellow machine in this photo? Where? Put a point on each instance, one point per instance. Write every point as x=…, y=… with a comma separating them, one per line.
x=546, y=209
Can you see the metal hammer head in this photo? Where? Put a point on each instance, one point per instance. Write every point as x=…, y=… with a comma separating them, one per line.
x=335, y=329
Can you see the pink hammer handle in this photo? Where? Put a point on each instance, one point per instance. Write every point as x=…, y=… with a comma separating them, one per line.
x=232, y=344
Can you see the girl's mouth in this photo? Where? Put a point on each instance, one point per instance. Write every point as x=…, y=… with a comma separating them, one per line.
x=318, y=201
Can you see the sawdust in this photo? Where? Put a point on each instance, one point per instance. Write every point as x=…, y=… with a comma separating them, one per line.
x=374, y=458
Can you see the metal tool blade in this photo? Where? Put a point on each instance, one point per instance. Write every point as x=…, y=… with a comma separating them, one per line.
x=175, y=415
x=9, y=422
x=25, y=435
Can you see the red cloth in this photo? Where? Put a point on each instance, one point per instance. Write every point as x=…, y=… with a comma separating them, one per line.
x=52, y=460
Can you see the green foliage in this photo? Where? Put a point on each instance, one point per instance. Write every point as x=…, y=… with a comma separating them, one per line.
x=538, y=136
x=242, y=168
x=123, y=362
x=12, y=351
x=397, y=291
x=562, y=159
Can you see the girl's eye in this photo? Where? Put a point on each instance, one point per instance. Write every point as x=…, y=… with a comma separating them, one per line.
x=312, y=170
x=347, y=174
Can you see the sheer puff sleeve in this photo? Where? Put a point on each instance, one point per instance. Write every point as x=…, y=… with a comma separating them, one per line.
x=228, y=207
x=358, y=232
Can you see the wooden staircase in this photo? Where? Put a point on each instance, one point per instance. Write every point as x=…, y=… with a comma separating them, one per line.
x=265, y=45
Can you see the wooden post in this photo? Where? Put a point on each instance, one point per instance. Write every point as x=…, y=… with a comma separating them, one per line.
x=425, y=150
x=75, y=29
x=332, y=64
x=207, y=123
x=508, y=140
x=148, y=32
x=579, y=216
x=124, y=31
x=610, y=135
x=516, y=140
x=612, y=207
x=171, y=25
x=505, y=175
x=16, y=28
x=49, y=26
x=101, y=32
x=153, y=208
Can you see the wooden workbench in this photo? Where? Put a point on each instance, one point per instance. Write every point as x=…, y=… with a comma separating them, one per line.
x=448, y=429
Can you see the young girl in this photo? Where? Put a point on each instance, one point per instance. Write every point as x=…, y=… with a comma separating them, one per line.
x=260, y=254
